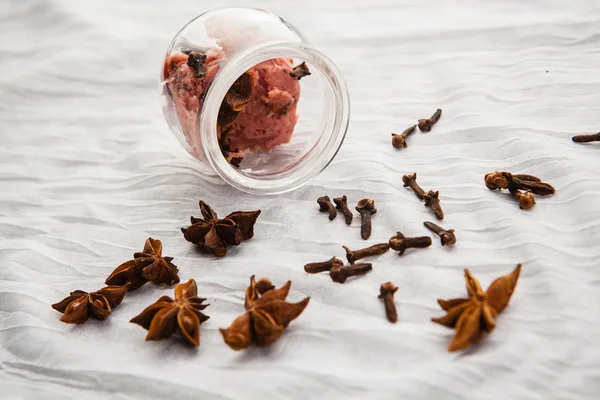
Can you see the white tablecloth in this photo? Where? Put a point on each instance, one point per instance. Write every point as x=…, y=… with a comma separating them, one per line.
x=89, y=170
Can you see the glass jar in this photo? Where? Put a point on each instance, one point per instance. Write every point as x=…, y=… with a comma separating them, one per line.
x=290, y=126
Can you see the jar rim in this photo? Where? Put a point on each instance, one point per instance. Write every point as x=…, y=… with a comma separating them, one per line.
x=308, y=166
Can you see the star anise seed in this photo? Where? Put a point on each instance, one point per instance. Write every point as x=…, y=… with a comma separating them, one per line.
x=473, y=316
x=167, y=316
x=267, y=315
x=149, y=265
x=78, y=306
x=214, y=234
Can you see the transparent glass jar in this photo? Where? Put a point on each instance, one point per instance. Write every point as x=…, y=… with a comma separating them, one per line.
x=232, y=42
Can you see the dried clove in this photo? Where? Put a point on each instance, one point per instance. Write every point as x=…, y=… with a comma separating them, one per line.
x=300, y=71
x=432, y=200
x=366, y=208
x=594, y=137
x=447, y=236
x=341, y=203
x=426, y=124
x=326, y=206
x=375, y=250
x=526, y=198
x=410, y=180
x=400, y=242
x=196, y=62
x=527, y=177
x=340, y=274
x=399, y=141
x=541, y=188
x=386, y=293
x=315, y=268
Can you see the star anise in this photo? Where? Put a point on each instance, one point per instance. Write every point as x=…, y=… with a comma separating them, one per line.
x=167, y=316
x=213, y=234
x=149, y=265
x=78, y=306
x=473, y=316
x=267, y=315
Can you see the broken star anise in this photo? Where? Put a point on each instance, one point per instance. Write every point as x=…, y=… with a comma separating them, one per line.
x=167, y=316
x=78, y=306
x=267, y=315
x=473, y=316
x=213, y=234
x=149, y=265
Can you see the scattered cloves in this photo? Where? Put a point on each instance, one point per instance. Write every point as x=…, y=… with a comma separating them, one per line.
x=300, y=71
x=410, y=180
x=426, y=124
x=502, y=180
x=386, y=293
x=366, y=208
x=432, y=200
x=595, y=137
x=447, y=236
x=399, y=141
x=400, y=242
x=326, y=206
x=375, y=250
x=315, y=268
x=341, y=203
x=340, y=274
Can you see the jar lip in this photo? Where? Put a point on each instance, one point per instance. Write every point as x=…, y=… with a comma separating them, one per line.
x=311, y=164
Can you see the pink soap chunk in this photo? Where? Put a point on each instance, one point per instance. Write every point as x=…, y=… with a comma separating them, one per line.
x=266, y=121
x=270, y=116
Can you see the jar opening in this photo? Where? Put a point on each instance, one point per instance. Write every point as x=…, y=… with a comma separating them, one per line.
x=280, y=162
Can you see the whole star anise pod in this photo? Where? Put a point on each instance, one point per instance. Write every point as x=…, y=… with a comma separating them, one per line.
x=213, y=234
x=78, y=306
x=267, y=315
x=167, y=316
x=149, y=265
x=473, y=316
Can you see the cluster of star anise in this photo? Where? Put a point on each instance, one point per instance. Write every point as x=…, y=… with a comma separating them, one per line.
x=149, y=265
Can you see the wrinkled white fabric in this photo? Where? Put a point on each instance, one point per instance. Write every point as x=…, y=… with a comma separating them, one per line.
x=89, y=170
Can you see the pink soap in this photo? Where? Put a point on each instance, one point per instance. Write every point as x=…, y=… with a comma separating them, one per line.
x=267, y=120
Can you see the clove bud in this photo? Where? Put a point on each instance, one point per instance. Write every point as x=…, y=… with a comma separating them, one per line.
x=399, y=141
x=432, y=200
x=410, y=180
x=386, y=293
x=366, y=208
x=340, y=274
x=341, y=203
x=326, y=206
x=447, y=236
x=526, y=198
x=400, y=242
x=426, y=124
x=595, y=137
x=315, y=268
x=375, y=250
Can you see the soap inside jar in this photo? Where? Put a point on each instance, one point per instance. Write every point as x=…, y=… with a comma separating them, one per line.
x=266, y=122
